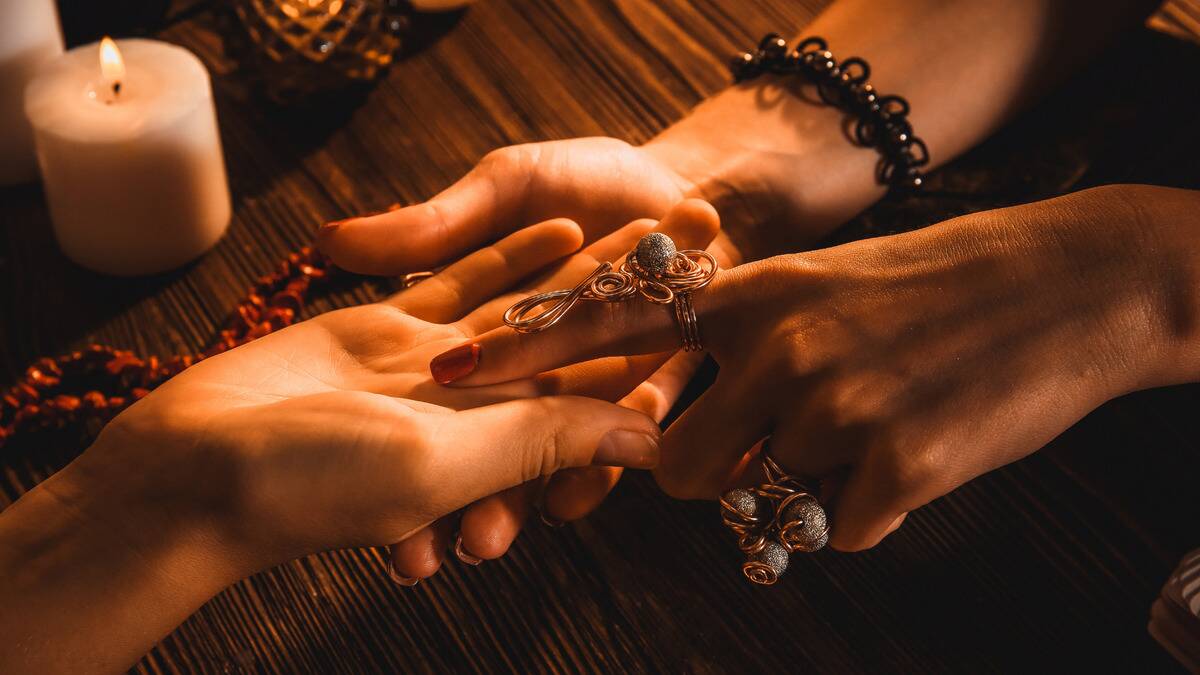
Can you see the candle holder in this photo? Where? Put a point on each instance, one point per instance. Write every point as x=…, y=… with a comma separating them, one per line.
x=299, y=48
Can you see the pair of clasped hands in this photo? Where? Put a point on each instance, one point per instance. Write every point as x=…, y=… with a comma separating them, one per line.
x=891, y=368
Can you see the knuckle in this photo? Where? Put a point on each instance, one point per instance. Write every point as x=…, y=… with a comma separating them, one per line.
x=855, y=405
x=416, y=463
x=550, y=455
x=448, y=288
x=551, y=383
x=548, y=451
x=904, y=472
x=649, y=399
x=511, y=158
x=793, y=362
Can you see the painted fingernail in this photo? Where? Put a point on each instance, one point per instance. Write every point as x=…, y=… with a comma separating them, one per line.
x=462, y=554
x=631, y=449
x=401, y=580
x=455, y=364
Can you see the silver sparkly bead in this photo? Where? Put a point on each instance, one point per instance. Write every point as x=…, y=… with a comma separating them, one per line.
x=745, y=502
x=767, y=565
x=803, y=525
x=655, y=252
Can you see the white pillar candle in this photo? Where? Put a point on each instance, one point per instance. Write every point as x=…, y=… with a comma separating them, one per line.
x=131, y=160
x=29, y=37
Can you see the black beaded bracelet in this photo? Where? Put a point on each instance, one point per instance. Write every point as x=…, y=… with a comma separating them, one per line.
x=881, y=121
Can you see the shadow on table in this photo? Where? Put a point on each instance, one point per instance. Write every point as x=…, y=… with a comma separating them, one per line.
x=45, y=291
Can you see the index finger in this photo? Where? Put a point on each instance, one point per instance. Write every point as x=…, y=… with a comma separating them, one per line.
x=589, y=330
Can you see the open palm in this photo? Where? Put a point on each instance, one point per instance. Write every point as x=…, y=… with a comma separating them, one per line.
x=338, y=387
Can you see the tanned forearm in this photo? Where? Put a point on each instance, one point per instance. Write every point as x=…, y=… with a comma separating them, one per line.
x=965, y=66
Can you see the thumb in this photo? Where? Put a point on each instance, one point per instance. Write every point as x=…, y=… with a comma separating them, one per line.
x=482, y=206
x=484, y=450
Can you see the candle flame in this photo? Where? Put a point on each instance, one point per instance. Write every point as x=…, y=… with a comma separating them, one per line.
x=112, y=68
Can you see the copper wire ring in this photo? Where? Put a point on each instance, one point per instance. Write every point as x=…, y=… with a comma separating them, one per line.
x=689, y=327
x=679, y=274
x=790, y=489
x=787, y=517
x=749, y=529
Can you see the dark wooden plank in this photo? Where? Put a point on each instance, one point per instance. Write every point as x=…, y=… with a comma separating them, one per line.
x=1048, y=563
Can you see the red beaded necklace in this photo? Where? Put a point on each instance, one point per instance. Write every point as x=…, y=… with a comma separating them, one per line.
x=83, y=390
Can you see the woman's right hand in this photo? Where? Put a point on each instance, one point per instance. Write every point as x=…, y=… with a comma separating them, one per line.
x=901, y=367
x=778, y=166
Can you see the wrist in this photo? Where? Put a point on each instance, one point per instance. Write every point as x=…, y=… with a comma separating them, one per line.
x=150, y=506
x=1119, y=265
x=1164, y=222
x=94, y=573
x=779, y=168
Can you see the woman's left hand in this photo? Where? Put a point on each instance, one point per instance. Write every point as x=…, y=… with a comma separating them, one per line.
x=899, y=368
x=327, y=434
x=375, y=357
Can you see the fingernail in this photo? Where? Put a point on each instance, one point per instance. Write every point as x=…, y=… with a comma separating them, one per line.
x=455, y=364
x=631, y=449
x=549, y=521
x=462, y=554
x=402, y=580
x=331, y=226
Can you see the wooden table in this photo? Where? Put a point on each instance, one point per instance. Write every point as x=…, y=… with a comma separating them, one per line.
x=1050, y=563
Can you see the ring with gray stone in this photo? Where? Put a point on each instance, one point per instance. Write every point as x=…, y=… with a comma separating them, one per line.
x=655, y=270
x=773, y=520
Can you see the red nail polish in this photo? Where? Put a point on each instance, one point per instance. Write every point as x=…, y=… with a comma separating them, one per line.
x=455, y=364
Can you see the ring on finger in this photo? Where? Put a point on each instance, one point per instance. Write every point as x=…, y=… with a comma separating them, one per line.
x=656, y=270
x=773, y=520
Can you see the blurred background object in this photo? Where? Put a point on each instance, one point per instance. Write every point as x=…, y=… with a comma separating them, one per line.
x=86, y=21
x=299, y=48
x=1175, y=615
x=291, y=51
x=29, y=37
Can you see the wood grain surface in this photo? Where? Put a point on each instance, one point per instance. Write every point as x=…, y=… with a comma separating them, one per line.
x=1049, y=564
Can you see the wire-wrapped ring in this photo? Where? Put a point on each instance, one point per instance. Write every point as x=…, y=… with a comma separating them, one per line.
x=773, y=520
x=655, y=270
